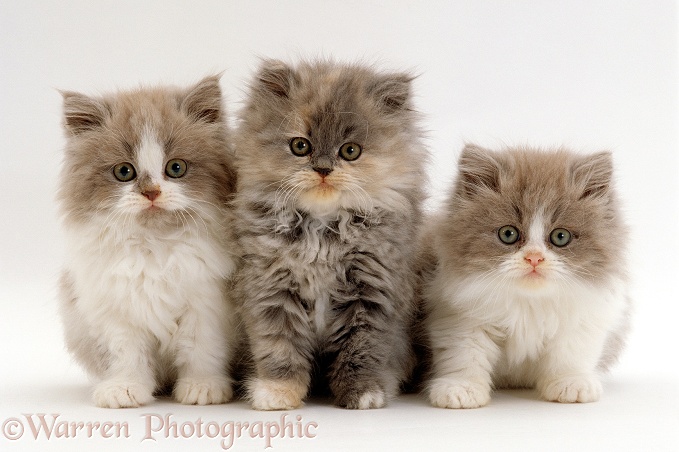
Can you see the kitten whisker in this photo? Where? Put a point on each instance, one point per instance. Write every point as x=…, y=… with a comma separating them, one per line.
x=180, y=220
x=110, y=224
x=187, y=226
x=286, y=185
x=188, y=210
x=364, y=197
x=185, y=222
x=286, y=179
x=203, y=212
x=286, y=119
x=106, y=200
x=177, y=220
x=193, y=199
x=293, y=193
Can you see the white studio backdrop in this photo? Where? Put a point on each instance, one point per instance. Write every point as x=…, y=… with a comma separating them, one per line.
x=589, y=75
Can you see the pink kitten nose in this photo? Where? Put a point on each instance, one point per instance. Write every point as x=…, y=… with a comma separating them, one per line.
x=151, y=194
x=534, y=258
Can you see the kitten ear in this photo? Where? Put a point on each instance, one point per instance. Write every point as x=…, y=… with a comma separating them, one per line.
x=593, y=174
x=82, y=113
x=204, y=101
x=391, y=91
x=275, y=77
x=478, y=169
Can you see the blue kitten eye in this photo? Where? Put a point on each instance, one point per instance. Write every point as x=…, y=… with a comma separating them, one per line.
x=300, y=146
x=124, y=172
x=176, y=168
x=560, y=237
x=350, y=151
x=508, y=234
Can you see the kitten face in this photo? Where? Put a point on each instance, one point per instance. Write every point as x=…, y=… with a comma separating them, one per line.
x=534, y=222
x=323, y=137
x=153, y=158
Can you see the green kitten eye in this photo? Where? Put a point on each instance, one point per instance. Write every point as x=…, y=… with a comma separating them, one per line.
x=300, y=146
x=560, y=237
x=508, y=234
x=350, y=151
x=124, y=172
x=176, y=168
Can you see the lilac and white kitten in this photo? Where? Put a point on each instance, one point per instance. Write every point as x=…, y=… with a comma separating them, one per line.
x=146, y=178
x=529, y=288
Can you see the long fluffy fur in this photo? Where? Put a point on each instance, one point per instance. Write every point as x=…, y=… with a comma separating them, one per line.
x=144, y=297
x=327, y=283
x=491, y=325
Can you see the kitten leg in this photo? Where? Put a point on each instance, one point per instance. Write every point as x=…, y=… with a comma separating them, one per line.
x=281, y=346
x=78, y=331
x=370, y=342
x=568, y=369
x=203, y=351
x=360, y=377
x=129, y=380
x=369, y=338
x=463, y=358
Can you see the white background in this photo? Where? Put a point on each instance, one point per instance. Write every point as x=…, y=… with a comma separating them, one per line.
x=588, y=74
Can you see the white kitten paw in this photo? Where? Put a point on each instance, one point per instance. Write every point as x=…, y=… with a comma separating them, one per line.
x=120, y=394
x=458, y=393
x=361, y=395
x=202, y=391
x=372, y=399
x=276, y=394
x=571, y=389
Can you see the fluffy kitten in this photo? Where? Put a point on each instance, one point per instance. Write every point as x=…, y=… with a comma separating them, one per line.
x=331, y=170
x=529, y=289
x=143, y=190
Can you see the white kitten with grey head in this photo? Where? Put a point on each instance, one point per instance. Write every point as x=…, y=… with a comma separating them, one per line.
x=529, y=288
x=145, y=183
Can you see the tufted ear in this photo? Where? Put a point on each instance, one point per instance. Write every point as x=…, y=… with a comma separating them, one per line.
x=275, y=77
x=82, y=113
x=478, y=169
x=391, y=91
x=204, y=100
x=593, y=174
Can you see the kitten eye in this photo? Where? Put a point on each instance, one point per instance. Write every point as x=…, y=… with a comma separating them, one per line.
x=300, y=146
x=350, y=151
x=508, y=234
x=176, y=168
x=560, y=237
x=124, y=172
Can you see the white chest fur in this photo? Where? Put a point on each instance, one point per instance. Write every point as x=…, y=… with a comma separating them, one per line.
x=142, y=280
x=533, y=325
x=525, y=324
x=528, y=325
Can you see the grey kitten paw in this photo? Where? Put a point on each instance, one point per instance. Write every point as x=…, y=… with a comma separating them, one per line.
x=121, y=394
